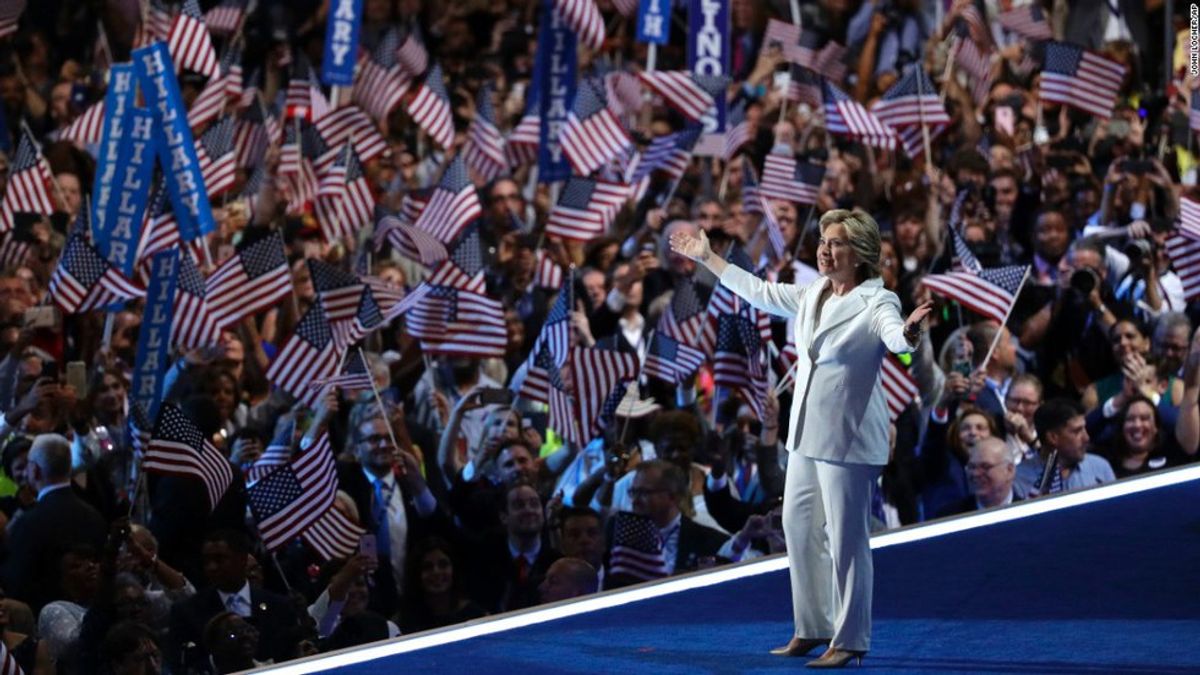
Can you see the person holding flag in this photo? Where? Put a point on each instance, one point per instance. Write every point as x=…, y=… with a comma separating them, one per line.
x=838, y=435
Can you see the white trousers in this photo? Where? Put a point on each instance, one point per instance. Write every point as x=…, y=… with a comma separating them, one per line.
x=826, y=522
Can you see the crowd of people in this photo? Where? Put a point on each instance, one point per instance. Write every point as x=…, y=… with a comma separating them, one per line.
x=472, y=502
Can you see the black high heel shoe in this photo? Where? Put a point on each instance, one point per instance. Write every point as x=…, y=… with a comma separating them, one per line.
x=800, y=646
x=836, y=658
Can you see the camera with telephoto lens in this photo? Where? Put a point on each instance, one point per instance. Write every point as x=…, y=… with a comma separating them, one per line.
x=1085, y=280
x=1138, y=249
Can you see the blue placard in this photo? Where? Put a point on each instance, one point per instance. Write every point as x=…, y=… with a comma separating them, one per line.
x=341, y=42
x=654, y=22
x=173, y=136
x=130, y=190
x=708, y=49
x=154, y=337
x=554, y=75
x=118, y=101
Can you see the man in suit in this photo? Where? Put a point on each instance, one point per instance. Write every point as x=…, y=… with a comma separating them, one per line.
x=509, y=564
x=659, y=487
x=991, y=471
x=394, y=504
x=38, y=540
x=226, y=557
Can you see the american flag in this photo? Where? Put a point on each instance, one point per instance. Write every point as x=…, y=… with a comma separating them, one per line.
x=84, y=280
x=29, y=180
x=304, y=98
x=564, y=413
x=684, y=317
x=289, y=499
x=309, y=354
x=583, y=17
x=790, y=179
x=669, y=154
x=1184, y=252
x=912, y=138
x=786, y=34
x=637, y=548
x=463, y=267
x=592, y=136
x=225, y=18
x=899, y=387
x=751, y=200
x=599, y=378
x=192, y=325
x=549, y=274
x=829, y=60
x=911, y=100
x=217, y=157
x=963, y=259
x=156, y=24
x=845, y=116
x=8, y=662
x=971, y=20
x=88, y=127
x=220, y=89
x=412, y=55
x=970, y=57
x=10, y=14
x=413, y=204
x=344, y=201
x=189, y=42
x=1194, y=110
x=251, y=281
x=627, y=8
x=804, y=86
x=252, y=189
x=691, y=94
x=737, y=132
x=352, y=375
x=1028, y=21
x=484, y=149
x=990, y=292
x=456, y=321
x=670, y=360
x=349, y=303
x=774, y=231
x=297, y=178
x=160, y=231
x=382, y=81
x=257, y=129
x=624, y=93
x=1189, y=216
x=178, y=448
x=585, y=208
x=430, y=109
x=737, y=359
x=273, y=457
x=352, y=124
x=333, y=536
x=523, y=140
x=1081, y=78
x=453, y=205
x=554, y=340
x=13, y=250
x=412, y=243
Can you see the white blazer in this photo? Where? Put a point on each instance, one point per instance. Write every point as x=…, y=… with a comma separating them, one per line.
x=839, y=411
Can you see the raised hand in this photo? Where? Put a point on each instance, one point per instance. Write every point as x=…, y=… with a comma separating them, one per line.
x=692, y=246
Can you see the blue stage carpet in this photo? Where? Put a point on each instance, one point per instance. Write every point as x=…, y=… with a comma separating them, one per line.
x=1107, y=587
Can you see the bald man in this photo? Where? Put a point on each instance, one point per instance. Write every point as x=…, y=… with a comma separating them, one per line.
x=991, y=472
x=568, y=578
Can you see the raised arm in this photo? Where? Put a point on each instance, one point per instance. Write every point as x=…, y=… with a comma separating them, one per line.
x=899, y=335
x=779, y=299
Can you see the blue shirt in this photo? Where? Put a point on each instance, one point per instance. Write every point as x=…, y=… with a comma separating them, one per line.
x=1093, y=470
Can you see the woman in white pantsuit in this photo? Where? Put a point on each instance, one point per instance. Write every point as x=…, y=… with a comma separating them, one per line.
x=838, y=436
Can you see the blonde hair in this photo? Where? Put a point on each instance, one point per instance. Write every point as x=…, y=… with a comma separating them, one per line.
x=863, y=234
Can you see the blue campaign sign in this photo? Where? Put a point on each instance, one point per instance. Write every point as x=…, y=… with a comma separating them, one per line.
x=118, y=101
x=176, y=147
x=654, y=22
x=341, y=42
x=708, y=49
x=554, y=76
x=154, y=337
x=130, y=191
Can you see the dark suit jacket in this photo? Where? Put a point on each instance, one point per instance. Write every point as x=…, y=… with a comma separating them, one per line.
x=351, y=479
x=493, y=581
x=696, y=541
x=180, y=517
x=271, y=614
x=38, y=540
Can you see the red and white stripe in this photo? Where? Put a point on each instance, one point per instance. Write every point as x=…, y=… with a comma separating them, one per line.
x=431, y=110
x=86, y=128
x=591, y=143
x=583, y=17
x=899, y=387
x=680, y=91
x=189, y=42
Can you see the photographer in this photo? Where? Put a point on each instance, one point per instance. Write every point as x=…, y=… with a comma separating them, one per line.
x=1149, y=284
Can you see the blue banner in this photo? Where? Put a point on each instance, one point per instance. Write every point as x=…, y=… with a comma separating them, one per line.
x=708, y=49
x=554, y=76
x=654, y=22
x=173, y=136
x=341, y=42
x=154, y=337
x=118, y=101
x=130, y=191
